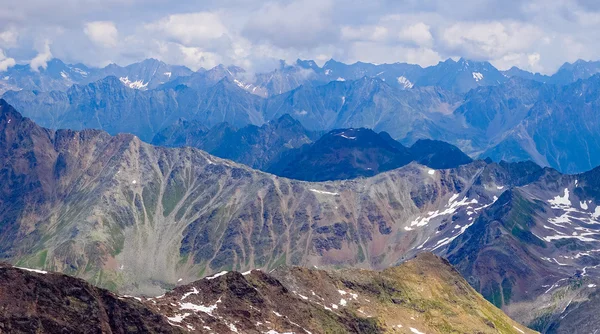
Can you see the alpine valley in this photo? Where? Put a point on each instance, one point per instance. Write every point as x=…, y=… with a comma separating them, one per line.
x=339, y=198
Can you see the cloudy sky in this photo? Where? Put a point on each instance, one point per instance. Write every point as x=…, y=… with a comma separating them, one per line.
x=537, y=35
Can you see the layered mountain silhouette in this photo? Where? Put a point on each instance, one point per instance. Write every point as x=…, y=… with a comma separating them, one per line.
x=285, y=148
x=254, y=146
x=512, y=115
x=136, y=219
x=350, y=153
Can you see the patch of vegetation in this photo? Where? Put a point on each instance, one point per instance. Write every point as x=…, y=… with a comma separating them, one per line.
x=541, y=322
x=520, y=220
x=174, y=192
x=493, y=294
x=506, y=290
x=361, y=255
x=279, y=262
x=149, y=197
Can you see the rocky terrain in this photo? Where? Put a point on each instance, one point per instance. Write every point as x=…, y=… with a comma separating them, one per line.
x=33, y=301
x=141, y=219
x=423, y=295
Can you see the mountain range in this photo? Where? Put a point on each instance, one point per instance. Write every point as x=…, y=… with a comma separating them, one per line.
x=512, y=115
x=285, y=148
x=454, y=75
x=140, y=219
x=412, y=298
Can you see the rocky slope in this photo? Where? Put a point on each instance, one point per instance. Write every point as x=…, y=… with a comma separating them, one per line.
x=137, y=218
x=39, y=302
x=424, y=294
x=559, y=130
x=130, y=216
x=533, y=250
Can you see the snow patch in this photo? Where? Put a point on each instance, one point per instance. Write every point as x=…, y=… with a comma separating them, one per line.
x=404, y=82
x=324, y=192
x=431, y=172
x=79, y=71
x=515, y=327
x=340, y=79
x=187, y=294
x=561, y=202
x=216, y=275
x=139, y=84
x=416, y=331
x=178, y=317
x=168, y=74
x=453, y=206
x=33, y=270
x=596, y=213
x=200, y=308
x=477, y=76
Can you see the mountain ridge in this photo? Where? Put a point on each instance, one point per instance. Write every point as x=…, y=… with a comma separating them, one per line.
x=399, y=300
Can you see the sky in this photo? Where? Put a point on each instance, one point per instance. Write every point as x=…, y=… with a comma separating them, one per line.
x=535, y=35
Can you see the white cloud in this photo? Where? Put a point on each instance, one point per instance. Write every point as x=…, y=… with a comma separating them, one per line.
x=533, y=59
x=297, y=24
x=375, y=33
x=196, y=58
x=381, y=53
x=102, y=33
x=5, y=62
x=190, y=29
x=490, y=40
x=9, y=37
x=525, y=61
x=417, y=33
x=41, y=60
x=253, y=33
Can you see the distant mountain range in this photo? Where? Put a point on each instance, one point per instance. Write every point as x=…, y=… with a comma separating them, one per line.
x=254, y=146
x=350, y=153
x=512, y=115
x=136, y=218
x=400, y=299
x=456, y=76
x=285, y=148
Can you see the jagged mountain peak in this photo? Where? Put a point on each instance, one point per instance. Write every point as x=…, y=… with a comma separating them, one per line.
x=307, y=64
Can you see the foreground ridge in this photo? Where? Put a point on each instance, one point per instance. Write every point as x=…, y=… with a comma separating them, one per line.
x=423, y=295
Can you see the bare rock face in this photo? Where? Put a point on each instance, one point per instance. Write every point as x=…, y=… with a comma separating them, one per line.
x=41, y=302
x=129, y=216
x=418, y=296
x=139, y=219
